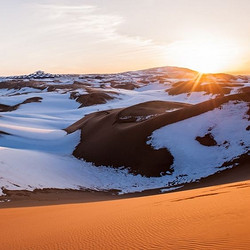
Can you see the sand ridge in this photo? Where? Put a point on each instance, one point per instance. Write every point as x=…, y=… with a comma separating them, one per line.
x=117, y=138
x=209, y=218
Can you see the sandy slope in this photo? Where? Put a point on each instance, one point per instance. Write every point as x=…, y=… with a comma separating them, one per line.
x=119, y=137
x=209, y=218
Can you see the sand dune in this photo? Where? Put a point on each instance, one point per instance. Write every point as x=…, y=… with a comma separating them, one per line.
x=209, y=218
x=8, y=108
x=93, y=98
x=177, y=139
x=118, y=137
x=220, y=84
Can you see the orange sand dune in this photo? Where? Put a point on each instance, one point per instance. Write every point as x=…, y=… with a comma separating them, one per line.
x=209, y=218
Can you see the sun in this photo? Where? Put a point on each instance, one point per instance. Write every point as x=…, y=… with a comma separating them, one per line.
x=204, y=56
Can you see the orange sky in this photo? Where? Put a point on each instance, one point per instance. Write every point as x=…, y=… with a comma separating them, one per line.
x=91, y=36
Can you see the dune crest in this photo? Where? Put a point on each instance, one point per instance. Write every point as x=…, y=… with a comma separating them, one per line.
x=209, y=218
x=118, y=138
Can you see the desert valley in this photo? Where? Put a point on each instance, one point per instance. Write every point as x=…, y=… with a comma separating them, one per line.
x=124, y=124
x=152, y=129
x=100, y=149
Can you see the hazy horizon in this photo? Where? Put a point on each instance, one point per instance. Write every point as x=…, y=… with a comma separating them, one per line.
x=83, y=36
x=124, y=71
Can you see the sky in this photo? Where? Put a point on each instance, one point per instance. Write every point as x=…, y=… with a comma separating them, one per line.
x=108, y=36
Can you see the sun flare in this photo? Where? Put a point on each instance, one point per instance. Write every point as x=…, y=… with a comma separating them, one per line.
x=203, y=55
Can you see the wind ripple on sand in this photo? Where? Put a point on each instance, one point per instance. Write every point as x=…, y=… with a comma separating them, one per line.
x=201, y=219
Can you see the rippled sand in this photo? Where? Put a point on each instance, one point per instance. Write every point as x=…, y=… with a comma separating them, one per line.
x=215, y=217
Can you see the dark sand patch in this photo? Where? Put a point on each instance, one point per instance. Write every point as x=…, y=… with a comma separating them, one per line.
x=244, y=90
x=7, y=108
x=206, y=140
x=114, y=133
x=19, y=84
x=121, y=85
x=93, y=99
x=144, y=111
x=106, y=140
x=183, y=87
x=3, y=133
x=216, y=84
x=49, y=86
x=242, y=159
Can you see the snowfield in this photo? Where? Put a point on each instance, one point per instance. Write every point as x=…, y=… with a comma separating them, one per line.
x=36, y=153
x=193, y=160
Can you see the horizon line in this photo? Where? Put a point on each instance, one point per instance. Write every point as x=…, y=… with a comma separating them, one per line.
x=125, y=71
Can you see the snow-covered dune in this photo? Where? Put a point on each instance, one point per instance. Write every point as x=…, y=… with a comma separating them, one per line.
x=36, y=151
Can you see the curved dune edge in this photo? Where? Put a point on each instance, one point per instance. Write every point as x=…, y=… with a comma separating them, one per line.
x=209, y=218
x=7, y=108
x=105, y=134
x=53, y=196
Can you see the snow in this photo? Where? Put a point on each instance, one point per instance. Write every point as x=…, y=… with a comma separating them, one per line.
x=164, y=190
x=193, y=160
x=38, y=152
x=15, y=92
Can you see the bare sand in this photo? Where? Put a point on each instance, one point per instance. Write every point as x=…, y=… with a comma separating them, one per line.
x=119, y=133
x=214, y=217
